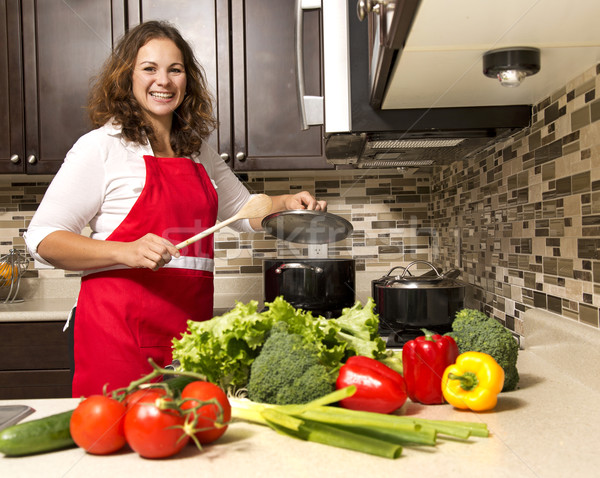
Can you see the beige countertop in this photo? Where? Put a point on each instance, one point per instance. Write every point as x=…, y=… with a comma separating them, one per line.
x=36, y=310
x=549, y=427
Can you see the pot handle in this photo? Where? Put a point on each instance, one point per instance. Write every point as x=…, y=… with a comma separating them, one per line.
x=437, y=275
x=297, y=265
x=397, y=267
x=451, y=274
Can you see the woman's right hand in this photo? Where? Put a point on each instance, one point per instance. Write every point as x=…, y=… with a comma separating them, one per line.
x=149, y=251
x=72, y=251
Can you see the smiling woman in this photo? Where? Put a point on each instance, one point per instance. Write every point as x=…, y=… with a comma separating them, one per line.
x=144, y=180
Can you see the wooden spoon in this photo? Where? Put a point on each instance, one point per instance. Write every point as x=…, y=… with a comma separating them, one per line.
x=258, y=206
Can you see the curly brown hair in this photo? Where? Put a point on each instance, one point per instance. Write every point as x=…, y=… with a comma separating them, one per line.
x=111, y=96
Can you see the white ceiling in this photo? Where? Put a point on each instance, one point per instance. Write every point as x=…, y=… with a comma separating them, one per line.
x=441, y=64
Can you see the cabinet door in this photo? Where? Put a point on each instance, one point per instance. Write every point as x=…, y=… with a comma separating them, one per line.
x=35, y=360
x=267, y=132
x=11, y=88
x=205, y=25
x=64, y=45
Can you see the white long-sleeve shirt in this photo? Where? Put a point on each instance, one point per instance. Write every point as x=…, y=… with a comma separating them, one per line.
x=101, y=179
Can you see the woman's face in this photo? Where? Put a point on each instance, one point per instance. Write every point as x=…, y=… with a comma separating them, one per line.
x=159, y=79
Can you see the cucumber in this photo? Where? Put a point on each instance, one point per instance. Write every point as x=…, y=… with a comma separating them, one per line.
x=37, y=436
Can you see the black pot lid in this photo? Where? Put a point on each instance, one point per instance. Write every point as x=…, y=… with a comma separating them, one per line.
x=305, y=226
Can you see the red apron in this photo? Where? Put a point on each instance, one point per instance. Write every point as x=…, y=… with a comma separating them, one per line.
x=125, y=316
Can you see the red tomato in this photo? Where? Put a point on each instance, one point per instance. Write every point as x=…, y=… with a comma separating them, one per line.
x=152, y=432
x=207, y=414
x=97, y=425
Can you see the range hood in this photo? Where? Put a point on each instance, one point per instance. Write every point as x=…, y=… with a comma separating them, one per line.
x=418, y=149
x=419, y=97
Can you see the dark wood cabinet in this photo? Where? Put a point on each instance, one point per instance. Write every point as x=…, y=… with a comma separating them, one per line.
x=247, y=50
x=246, y=47
x=12, y=119
x=266, y=119
x=53, y=48
x=35, y=360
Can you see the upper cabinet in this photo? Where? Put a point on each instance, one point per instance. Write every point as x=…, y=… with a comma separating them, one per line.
x=248, y=51
x=266, y=119
x=53, y=48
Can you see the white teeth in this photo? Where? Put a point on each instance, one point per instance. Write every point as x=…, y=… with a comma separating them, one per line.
x=161, y=95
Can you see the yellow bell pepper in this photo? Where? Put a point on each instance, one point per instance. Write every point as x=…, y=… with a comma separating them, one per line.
x=473, y=382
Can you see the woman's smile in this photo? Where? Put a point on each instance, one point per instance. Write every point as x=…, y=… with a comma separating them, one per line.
x=160, y=95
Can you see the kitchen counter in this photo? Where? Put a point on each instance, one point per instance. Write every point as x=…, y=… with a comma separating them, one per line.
x=549, y=427
x=37, y=310
x=48, y=310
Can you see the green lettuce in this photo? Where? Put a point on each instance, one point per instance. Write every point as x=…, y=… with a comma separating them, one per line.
x=223, y=348
x=359, y=328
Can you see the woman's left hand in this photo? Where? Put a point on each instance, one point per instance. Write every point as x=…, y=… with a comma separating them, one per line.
x=304, y=200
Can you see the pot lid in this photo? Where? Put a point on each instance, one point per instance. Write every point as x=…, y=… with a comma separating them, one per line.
x=306, y=226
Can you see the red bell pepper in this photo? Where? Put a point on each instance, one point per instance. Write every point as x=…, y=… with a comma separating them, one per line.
x=378, y=388
x=424, y=360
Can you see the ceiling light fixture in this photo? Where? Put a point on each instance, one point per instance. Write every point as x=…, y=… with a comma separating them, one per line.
x=511, y=65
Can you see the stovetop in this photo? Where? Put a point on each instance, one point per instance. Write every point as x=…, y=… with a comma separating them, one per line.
x=396, y=338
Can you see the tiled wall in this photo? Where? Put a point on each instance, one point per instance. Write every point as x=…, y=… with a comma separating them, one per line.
x=521, y=220
x=525, y=214
x=388, y=211
x=19, y=198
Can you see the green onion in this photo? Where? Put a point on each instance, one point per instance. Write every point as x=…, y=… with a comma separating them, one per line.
x=366, y=432
x=446, y=427
x=402, y=433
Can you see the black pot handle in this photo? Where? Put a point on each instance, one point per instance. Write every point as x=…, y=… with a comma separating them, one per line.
x=297, y=265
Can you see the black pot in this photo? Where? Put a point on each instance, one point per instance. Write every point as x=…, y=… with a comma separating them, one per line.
x=323, y=286
x=410, y=303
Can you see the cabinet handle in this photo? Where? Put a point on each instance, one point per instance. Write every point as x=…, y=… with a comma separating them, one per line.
x=225, y=157
x=311, y=107
x=241, y=156
x=364, y=7
x=32, y=159
x=15, y=159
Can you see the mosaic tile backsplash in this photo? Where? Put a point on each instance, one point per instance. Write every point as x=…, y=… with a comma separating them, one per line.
x=521, y=219
x=525, y=214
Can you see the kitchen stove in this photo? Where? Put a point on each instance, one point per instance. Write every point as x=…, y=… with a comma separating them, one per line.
x=396, y=338
x=328, y=314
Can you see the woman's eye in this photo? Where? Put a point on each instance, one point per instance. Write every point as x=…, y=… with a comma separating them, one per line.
x=176, y=70
x=149, y=68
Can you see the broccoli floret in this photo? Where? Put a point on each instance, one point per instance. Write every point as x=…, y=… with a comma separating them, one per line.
x=475, y=331
x=287, y=370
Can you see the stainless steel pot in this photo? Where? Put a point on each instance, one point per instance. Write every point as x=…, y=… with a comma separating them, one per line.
x=407, y=302
x=323, y=286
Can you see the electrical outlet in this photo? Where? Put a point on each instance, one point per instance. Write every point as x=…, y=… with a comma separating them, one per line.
x=317, y=250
